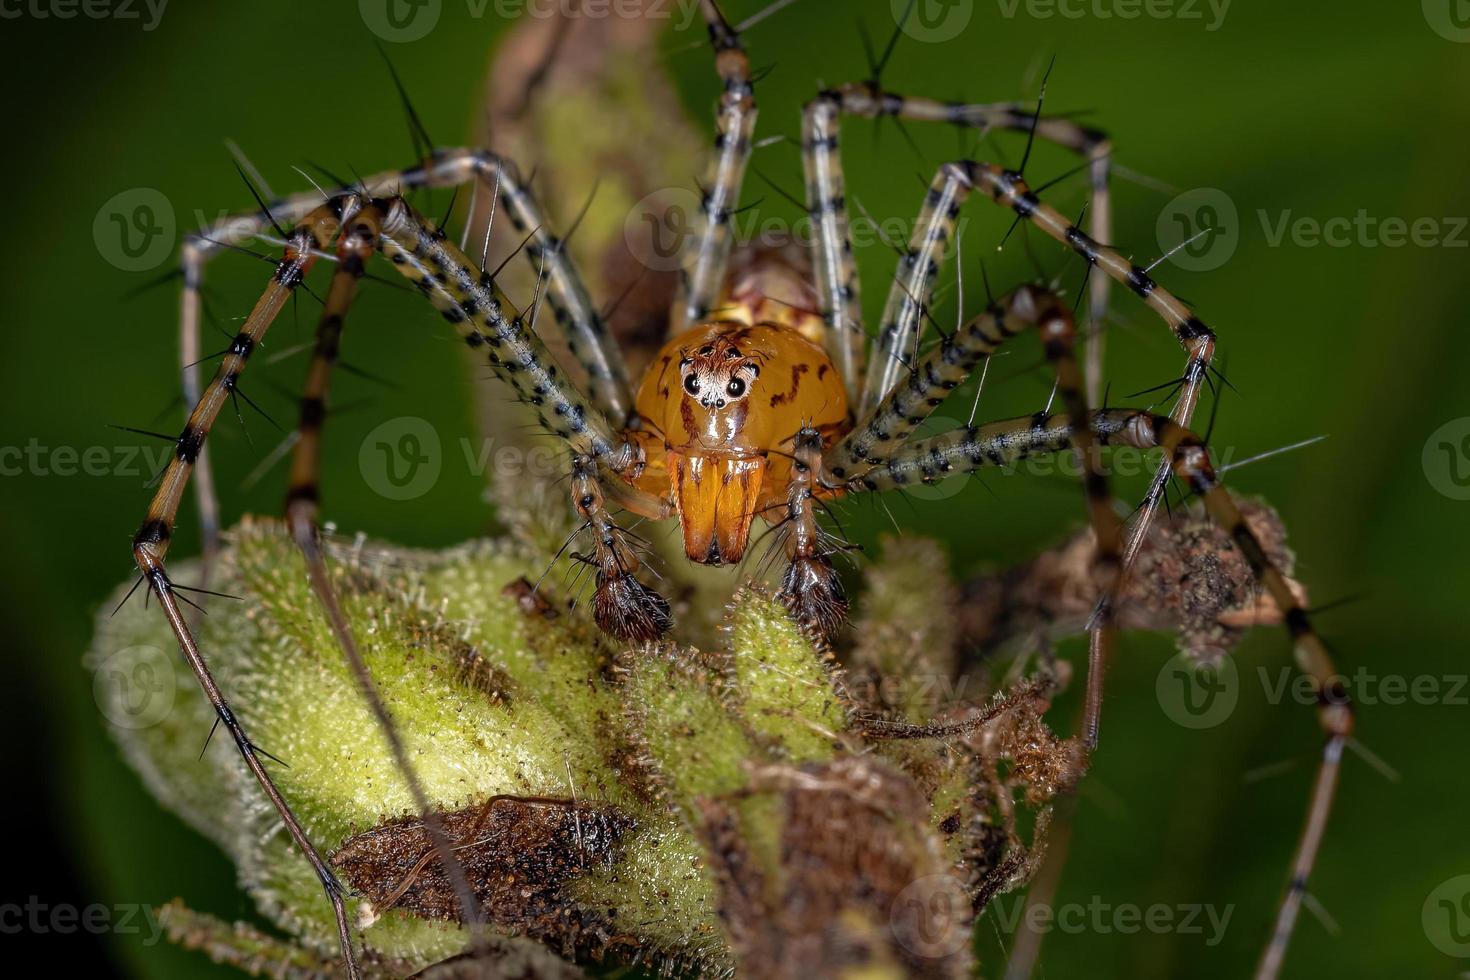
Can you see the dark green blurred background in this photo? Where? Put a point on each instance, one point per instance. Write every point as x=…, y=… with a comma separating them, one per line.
x=1305, y=110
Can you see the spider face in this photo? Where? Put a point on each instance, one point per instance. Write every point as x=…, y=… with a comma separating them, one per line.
x=717, y=374
x=722, y=404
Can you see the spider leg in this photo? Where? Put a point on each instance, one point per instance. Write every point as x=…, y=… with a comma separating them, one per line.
x=356, y=244
x=622, y=606
x=150, y=544
x=586, y=337
x=191, y=262
x=1009, y=189
x=422, y=253
x=232, y=231
x=810, y=588
x=997, y=444
x=929, y=380
x=706, y=261
x=914, y=284
x=489, y=321
x=946, y=366
x=303, y=496
x=837, y=281
x=622, y=494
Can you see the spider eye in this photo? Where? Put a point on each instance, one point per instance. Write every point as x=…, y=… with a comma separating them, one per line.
x=735, y=388
x=691, y=384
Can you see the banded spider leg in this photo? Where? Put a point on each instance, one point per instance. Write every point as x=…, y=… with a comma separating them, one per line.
x=908, y=299
x=913, y=288
x=707, y=258
x=1003, y=443
x=311, y=233
x=879, y=454
x=467, y=297
x=837, y=280
x=581, y=325
x=361, y=230
x=810, y=588
x=586, y=336
x=489, y=321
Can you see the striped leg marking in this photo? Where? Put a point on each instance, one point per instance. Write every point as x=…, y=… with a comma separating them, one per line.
x=937, y=372
x=910, y=296
x=705, y=262
x=356, y=244
x=622, y=606
x=581, y=324
x=486, y=318
x=150, y=544
x=1009, y=190
x=586, y=337
x=354, y=247
x=235, y=230
x=946, y=366
x=837, y=281
x=1003, y=443
x=810, y=587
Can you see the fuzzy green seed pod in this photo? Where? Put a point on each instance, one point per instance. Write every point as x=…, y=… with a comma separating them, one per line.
x=660, y=804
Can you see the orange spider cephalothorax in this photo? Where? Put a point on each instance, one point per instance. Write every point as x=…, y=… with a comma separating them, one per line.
x=720, y=405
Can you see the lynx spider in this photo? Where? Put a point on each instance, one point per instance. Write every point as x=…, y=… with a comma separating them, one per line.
x=891, y=391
